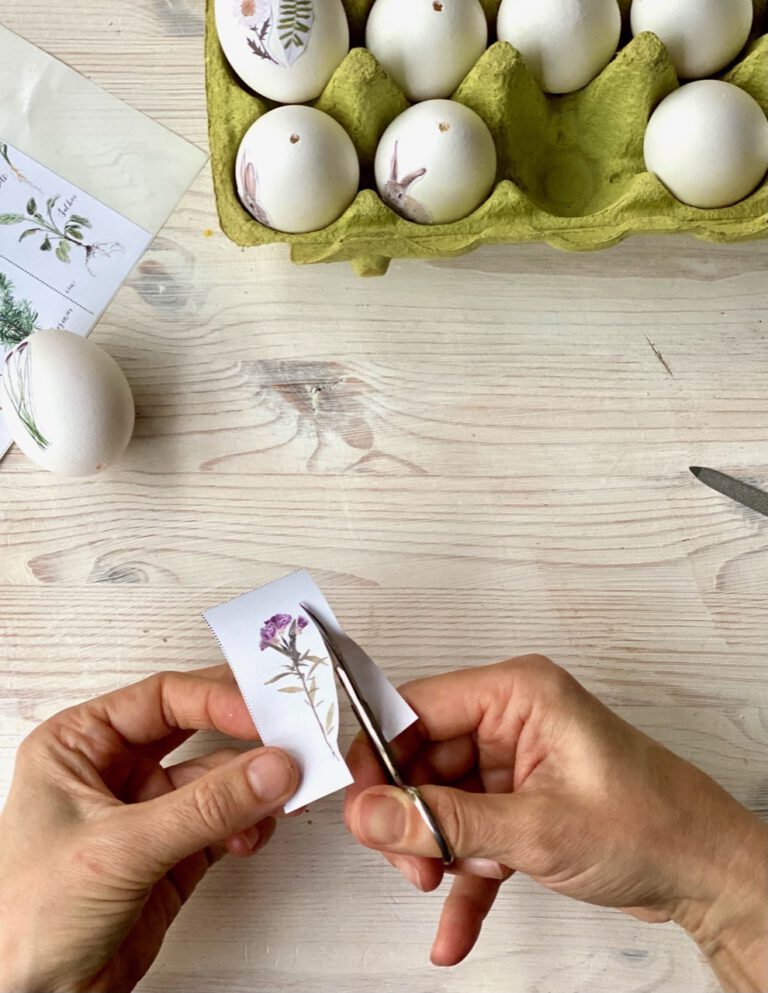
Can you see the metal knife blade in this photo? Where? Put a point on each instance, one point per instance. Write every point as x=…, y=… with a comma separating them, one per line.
x=743, y=493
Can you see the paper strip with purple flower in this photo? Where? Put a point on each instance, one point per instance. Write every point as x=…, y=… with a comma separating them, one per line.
x=281, y=633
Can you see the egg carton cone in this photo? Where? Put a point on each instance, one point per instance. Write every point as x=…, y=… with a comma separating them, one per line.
x=571, y=171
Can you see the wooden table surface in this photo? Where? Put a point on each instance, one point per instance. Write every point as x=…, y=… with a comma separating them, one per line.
x=474, y=458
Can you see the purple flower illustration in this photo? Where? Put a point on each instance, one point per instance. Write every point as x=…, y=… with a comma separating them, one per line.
x=281, y=633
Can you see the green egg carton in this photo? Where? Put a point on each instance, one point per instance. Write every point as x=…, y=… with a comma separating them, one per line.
x=571, y=169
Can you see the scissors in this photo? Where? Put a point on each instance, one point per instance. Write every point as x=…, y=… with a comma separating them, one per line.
x=371, y=726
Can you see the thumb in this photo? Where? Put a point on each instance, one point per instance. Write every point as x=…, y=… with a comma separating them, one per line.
x=497, y=826
x=228, y=799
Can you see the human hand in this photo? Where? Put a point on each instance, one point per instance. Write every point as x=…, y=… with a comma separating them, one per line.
x=100, y=845
x=538, y=775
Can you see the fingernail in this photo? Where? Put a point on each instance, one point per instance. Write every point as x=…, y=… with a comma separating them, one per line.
x=270, y=776
x=486, y=868
x=252, y=836
x=381, y=819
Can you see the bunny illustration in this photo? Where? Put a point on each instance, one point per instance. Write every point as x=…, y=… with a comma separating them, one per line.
x=396, y=195
x=249, y=193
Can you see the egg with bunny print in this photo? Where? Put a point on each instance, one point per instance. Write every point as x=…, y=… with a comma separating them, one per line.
x=436, y=162
x=285, y=50
x=427, y=46
x=297, y=170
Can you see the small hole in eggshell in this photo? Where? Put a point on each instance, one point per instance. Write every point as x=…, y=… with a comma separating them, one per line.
x=295, y=139
x=444, y=126
x=437, y=6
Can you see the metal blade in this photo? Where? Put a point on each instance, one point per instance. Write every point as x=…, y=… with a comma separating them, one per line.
x=743, y=493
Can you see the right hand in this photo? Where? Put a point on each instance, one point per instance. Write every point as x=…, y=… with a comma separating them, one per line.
x=538, y=775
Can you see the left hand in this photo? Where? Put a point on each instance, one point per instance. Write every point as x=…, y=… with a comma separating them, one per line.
x=100, y=845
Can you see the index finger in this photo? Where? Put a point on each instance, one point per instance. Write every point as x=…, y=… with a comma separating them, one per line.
x=168, y=702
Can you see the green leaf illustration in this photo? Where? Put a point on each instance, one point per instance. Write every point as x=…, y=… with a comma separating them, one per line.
x=17, y=318
x=31, y=206
x=28, y=233
x=290, y=689
x=75, y=233
x=330, y=718
x=81, y=221
x=46, y=245
x=294, y=24
x=278, y=677
x=11, y=218
x=50, y=203
x=62, y=251
x=18, y=386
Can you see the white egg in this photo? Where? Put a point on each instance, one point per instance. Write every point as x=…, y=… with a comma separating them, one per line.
x=702, y=36
x=285, y=50
x=708, y=143
x=297, y=170
x=436, y=162
x=66, y=403
x=427, y=46
x=565, y=43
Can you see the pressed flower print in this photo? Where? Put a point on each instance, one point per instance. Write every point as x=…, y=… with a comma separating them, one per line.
x=281, y=633
x=278, y=30
x=18, y=386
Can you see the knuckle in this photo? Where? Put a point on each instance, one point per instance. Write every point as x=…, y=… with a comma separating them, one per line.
x=214, y=806
x=548, y=673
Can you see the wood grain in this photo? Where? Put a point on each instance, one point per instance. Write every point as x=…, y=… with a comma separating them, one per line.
x=504, y=436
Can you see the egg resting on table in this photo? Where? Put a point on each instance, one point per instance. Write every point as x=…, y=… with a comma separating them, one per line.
x=66, y=403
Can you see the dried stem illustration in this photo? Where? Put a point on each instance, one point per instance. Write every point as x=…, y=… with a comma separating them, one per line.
x=282, y=28
x=259, y=46
x=19, y=389
x=281, y=633
x=17, y=172
x=62, y=237
x=17, y=318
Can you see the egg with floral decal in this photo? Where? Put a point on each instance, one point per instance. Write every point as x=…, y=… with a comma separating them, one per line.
x=436, y=162
x=66, y=403
x=285, y=50
x=427, y=46
x=297, y=170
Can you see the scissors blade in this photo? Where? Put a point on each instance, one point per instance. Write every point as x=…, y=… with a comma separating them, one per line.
x=363, y=712
x=743, y=493
x=370, y=725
